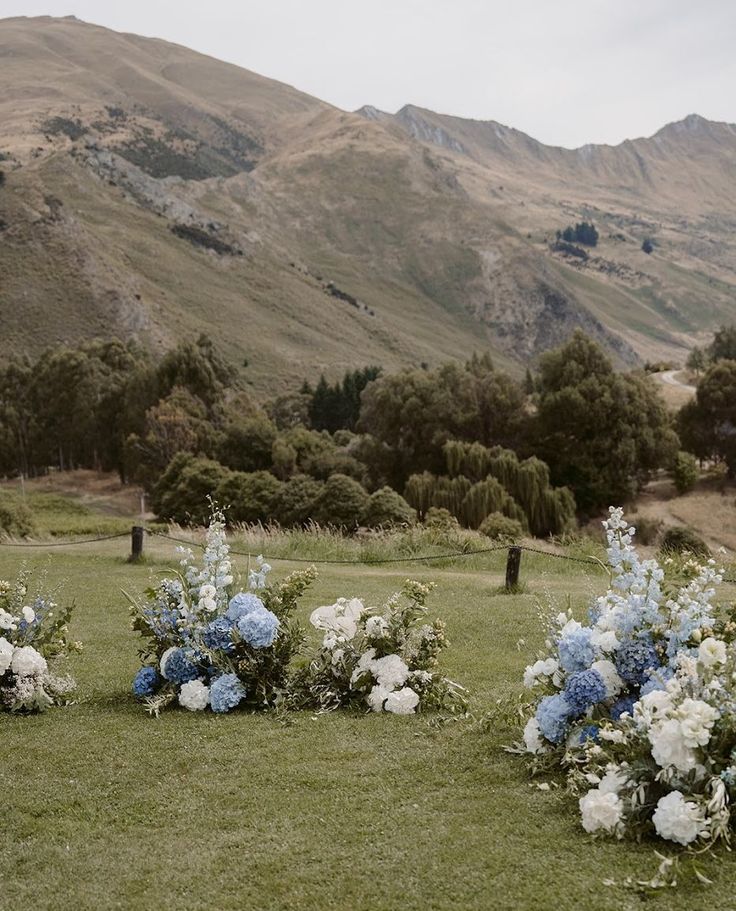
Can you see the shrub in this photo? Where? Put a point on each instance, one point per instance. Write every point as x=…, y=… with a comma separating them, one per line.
x=387, y=507
x=499, y=527
x=684, y=471
x=296, y=500
x=441, y=519
x=250, y=497
x=647, y=246
x=342, y=503
x=15, y=518
x=680, y=539
x=647, y=530
x=182, y=491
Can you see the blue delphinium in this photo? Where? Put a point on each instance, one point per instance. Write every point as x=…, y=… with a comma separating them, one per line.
x=217, y=635
x=657, y=680
x=553, y=714
x=636, y=658
x=589, y=732
x=225, y=693
x=241, y=605
x=576, y=650
x=178, y=668
x=145, y=681
x=623, y=705
x=584, y=689
x=259, y=628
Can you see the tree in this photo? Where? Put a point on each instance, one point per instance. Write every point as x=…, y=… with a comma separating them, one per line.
x=723, y=346
x=342, y=503
x=250, y=497
x=647, y=246
x=247, y=443
x=696, y=360
x=707, y=424
x=684, y=472
x=386, y=507
x=182, y=492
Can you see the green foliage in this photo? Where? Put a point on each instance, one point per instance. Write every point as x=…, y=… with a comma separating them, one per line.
x=683, y=540
x=247, y=443
x=296, y=500
x=647, y=530
x=386, y=507
x=723, y=346
x=684, y=472
x=647, y=246
x=342, y=503
x=182, y=492
x=249, y=497
x=707, y=423
x=499, y=527
x=16, y=518
x=334, y=407
x=696, y=360
x=581, y=233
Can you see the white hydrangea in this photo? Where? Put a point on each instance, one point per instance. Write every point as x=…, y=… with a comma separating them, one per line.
x=533, y=740
x=6, y=655
x=670, y=747
x=601, y=811
x=402, y=702
x=390, y=671
x=541, y=668
x=614, y=781
x=604, y=640
x=376, y=698
x=194, y=695
x=27, y=662
x=711, y=652
x=607, y=669
x=678, y=820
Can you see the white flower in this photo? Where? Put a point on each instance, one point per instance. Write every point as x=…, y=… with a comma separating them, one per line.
x=601, y=811
x=7, y=621
x=696, y=721
x=194, y=695
x=669, y=746
x=677, y=819
x=375, y=627
x=6, y=655
x=27, y=662
x=613, y=781
x=613, y=735
x=208, y=604
x=341, y=617
x=164, y=658
x=402, y=702
x=541, y=668
x=604, y=640
x=652, y=707
x=337, y=656
x=607, y=670
x=390, y=671
x=29, y=614
x=533, y=737
x=712, y=651
x=364, y=664
x=377, y=696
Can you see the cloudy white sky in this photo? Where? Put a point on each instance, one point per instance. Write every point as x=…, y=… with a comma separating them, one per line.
x=567, y=72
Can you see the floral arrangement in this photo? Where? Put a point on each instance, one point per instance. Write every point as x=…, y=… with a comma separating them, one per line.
x=639, y=704
x=209, y=644
x=34, y=633
x=380, y=658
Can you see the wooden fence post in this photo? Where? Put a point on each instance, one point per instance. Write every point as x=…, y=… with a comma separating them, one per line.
x=136, y=543
x=513, y=563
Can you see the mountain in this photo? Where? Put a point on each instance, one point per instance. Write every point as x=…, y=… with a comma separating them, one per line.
x=154, y=192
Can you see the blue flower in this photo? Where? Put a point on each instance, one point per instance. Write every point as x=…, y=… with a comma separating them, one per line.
x=226, y=692
x=657, y=680
x=553, y=714
x=259, y=627
x=241, y=605
x=576, y=650
x=178, y=668
x=145, y=681
x=635, y=658
x=217, y=635
x=589, y=732
x=623, y=705
x=583, y=689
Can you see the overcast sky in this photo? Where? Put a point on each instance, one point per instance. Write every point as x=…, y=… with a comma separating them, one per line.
x=565, y=72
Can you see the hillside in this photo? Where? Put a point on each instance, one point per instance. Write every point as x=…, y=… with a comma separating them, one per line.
x=154, y=192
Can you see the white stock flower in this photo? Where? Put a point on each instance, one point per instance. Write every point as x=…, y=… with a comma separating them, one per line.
x=711, y=652
x=341, y=617
x=194, y=695
x=541, y=668
x=533, y=737
x=29, y=614
x=27, y=662
x=377, y=696
x=390, y=672
x=670, y=747
x=677, y=819
x=402, y=702
x=607, y=669
x=6, y=655
x=601, y=811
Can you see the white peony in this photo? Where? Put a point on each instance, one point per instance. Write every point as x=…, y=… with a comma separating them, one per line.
x=607, y=670
x=390, y=671
x=669, y=746
x=29, y=614
x=340, y=618
x=27, y=662
x=402, y=702
x=712, y=651
x=377, y=696
x=601, y=811
x=677, y=819
x=7, y=621
x=533, y=737
x=541, y=668
x=696, y=721
x=6, y=655
x=194, y=695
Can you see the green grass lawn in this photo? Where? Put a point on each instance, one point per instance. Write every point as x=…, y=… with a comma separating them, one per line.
x=104, y=807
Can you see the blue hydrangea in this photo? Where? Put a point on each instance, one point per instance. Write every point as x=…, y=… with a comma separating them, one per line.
x=576, y=650
x=589, y=732
x=584, y=689
x=217, y=635
x=657, y=680
x=636, y=658
x=259, y=627
x=178, y=668
x=623, y=705
x=552, y=716
x=241, y=605
x=145, y=682
x=226, y=692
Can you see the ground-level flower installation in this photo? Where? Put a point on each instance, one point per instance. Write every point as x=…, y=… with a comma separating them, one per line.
x=34, y=638
x=638, y=705
x=209, y=645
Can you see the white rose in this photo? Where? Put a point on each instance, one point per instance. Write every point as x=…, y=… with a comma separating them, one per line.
x=402, y=702
x=533, y=737
x=194, y=695
x=677, y=819
x=7, y=621
x=207, y=591
x=607, y=670
x=390, y=671
x=377, y=696
x=208, y=604
x=669, y=747
x=601, y=811
x=27, y=662
x=712, y=651
x=29, y=614
x=6, y=655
